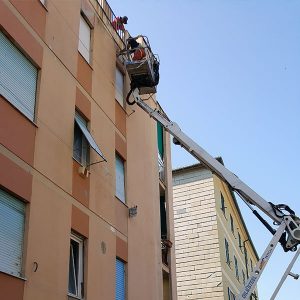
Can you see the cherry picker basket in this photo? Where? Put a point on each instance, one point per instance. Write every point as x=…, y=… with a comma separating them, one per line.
x=141, y=64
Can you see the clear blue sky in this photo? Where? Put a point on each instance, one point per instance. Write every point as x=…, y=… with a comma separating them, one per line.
x=230, y=77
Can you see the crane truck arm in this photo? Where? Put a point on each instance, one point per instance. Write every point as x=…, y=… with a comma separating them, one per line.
x=143, y=72
x=288, y=232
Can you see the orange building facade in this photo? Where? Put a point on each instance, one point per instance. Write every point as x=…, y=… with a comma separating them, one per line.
x=85, y=209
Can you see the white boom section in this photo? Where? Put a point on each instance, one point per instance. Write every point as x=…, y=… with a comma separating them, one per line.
x=285, y=275
x=216, y=167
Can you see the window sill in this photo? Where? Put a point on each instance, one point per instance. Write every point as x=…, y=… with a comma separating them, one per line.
x=122, y=106
x=71, y=297
x=124, y=203
x=44, y=5
x=79, y=163
x=15, y=276
x=88, y=63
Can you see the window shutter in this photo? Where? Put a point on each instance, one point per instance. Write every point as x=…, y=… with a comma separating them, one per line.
x=160, y=140
x=12, y=216
x=18, y=78
x=84, y=44
x=119, y=87
x=120, y=280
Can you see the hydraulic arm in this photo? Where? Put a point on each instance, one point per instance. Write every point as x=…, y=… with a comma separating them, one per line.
x=288, y=232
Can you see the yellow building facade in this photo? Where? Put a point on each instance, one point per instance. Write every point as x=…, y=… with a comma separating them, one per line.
x=213, y=249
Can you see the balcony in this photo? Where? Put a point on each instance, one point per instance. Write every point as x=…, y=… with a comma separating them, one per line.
x=107, y=15
x=166, y=245
x=161, y=169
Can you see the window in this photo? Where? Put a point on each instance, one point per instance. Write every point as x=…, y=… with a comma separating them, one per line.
x=223, y=207
x=231, y=295
x=231, y=224
x=18, y=78
x=12, y=218
x=81, y=149
x=76, y=283
x=43, y=2
x=83, y=140
x=227, y=252
x=120, y=178
x=163, y=218
x=119, y=87
x=160, y=140
x=84, y=46
x=100, y=2
x=160, y=146
x=251, y=265
x=120, y=280
x=236, y=266
x=244, y=277
x=240, y=242
x=246, y=262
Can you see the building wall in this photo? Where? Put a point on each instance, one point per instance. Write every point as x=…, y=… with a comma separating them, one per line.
x=200, y=231
x=224, y=228
x=198, y=263
x=39, y=155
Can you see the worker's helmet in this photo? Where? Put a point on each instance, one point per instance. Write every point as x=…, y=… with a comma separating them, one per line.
x=125, y=19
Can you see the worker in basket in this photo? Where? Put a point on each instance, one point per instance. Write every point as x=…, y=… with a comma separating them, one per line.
x=136, y=48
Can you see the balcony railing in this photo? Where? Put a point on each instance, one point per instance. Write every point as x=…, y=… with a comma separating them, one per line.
x=165, y=248
x=109, y=17
x=161, y=169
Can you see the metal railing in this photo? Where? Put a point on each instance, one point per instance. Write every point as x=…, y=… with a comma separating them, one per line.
x=161, y=169
x=111, y=18
x=166, y=245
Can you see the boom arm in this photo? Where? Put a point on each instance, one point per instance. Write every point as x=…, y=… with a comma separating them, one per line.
x=275, y=212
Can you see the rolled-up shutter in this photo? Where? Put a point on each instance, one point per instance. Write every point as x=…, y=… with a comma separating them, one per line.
x=18, y=77
x=120, y=280
x=12, y=215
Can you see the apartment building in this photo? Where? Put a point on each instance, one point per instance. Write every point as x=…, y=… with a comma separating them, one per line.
x=85, y=203
x=214, y=252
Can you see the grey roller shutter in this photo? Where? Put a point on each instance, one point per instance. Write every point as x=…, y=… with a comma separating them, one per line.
x=18, y=78
x=12, y=216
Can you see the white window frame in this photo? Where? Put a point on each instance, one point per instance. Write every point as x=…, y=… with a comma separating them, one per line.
x=119, y=90
x=84, y=43
x=79, y=276
x=120, y=180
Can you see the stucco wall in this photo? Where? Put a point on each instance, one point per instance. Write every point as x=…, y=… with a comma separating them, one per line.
x=61, y=200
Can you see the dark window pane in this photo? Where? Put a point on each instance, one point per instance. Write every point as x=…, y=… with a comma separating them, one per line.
x=77, y=145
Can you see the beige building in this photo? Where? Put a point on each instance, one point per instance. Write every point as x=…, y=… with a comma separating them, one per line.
x=214, y=252
x=85, y=207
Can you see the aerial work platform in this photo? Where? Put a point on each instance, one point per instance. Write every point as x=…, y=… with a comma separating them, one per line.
x=141, y=64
